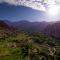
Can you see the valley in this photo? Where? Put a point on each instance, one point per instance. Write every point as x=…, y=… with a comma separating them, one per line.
x=28, y=45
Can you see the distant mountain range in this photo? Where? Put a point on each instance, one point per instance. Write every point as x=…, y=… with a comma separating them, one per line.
x=49, y=28
x=30, y=26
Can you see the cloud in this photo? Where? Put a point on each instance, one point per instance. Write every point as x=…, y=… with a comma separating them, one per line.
x=34, y=4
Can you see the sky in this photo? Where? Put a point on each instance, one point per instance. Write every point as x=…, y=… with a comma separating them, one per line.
x=30, y=10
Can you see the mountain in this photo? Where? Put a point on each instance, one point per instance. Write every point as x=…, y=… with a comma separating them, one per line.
x=49, y=28
x=5, y=29
x=9, y=23
x=30, y=26
x=53, y=29
x=3, y=25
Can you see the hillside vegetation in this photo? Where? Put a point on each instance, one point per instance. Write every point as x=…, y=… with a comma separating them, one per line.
x=29, y=46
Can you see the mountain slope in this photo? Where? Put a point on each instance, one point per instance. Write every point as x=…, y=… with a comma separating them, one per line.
x=53, y=29
x=5, y=29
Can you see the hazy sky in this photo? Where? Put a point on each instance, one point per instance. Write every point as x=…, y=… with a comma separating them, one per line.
x=31, y=10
